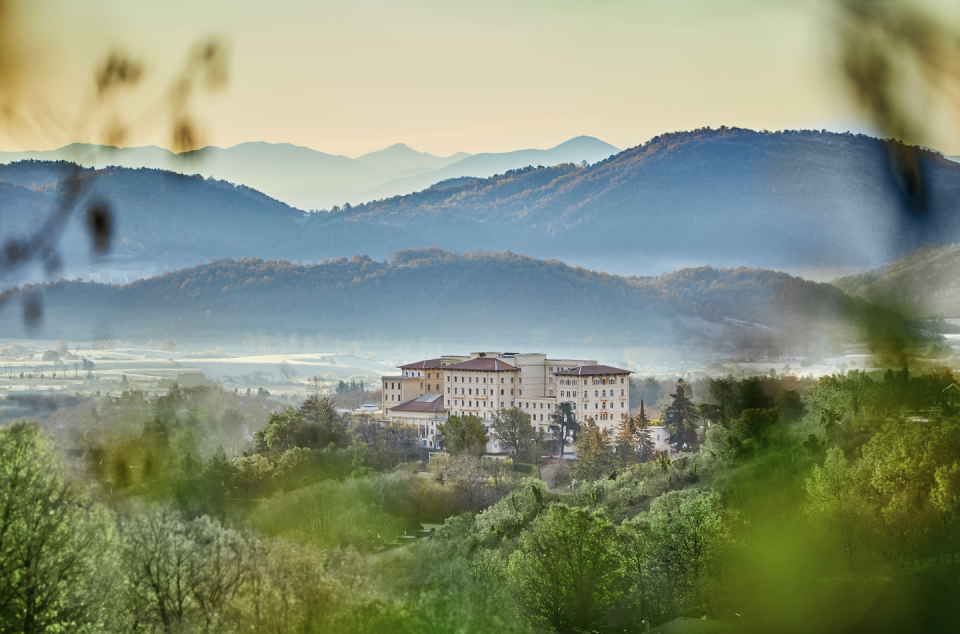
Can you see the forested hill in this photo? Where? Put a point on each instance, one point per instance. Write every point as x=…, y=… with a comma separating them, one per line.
x=475, y=301
x=161, y=219
x=793, y=200
x=926, y=283
x=806, y=202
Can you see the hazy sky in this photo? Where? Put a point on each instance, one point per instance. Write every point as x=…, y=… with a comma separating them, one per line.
x=441, y=76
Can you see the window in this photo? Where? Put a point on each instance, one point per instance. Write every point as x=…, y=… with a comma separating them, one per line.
x=448, y=390
x=484, y=379
x=511, y=379
x=501, y=392
x=448, y=378
x=454, y=379
x=470, y=391
x=622, y=405
x=501, y=380
x=421, y=385
x=621, y=381
x=621, y=392
x=511, y=392
x=596, y=393
x=604, y=392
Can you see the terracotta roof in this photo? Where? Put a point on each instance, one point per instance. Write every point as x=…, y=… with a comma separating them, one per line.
x=592, y=370
x=483, y=364
x=429, y=364
x=423, y=403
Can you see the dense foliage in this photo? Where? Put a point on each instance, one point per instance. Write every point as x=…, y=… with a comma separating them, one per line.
x=835, y=500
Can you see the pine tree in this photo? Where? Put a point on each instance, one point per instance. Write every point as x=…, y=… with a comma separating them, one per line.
x=681, y=417
x=641, y=432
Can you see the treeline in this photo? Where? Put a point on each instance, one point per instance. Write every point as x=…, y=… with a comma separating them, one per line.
x=733, y=310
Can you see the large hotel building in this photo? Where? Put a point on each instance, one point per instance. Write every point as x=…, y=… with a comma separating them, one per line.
x=425, y=393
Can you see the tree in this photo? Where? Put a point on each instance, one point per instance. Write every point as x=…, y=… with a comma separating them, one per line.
x=625, y=442
x=57, y=569
x=593, y=452
x=512, y=429
x=724, y=394
x=687, y=524
x=287, y=371
x=833, y=503
x=566, y=570
x=282, y=431
x=681, y=417
x=754, y=423
x=564, y=424
x=463, y=435
x=183, y=573
x=641, y=432
x=62, y=347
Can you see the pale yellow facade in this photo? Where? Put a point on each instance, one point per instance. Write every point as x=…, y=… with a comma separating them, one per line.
x=481, y=383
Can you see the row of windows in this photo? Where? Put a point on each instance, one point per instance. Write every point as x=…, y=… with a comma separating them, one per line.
x=597, y=406
x=549, y=406
x=469, y=390
x=469, y=379
x=595, y=382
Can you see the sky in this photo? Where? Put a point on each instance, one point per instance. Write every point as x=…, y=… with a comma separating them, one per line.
x=441, y=76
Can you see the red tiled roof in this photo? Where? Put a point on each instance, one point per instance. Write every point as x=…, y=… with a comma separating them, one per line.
x=592, y=370
x=423, y=403
x=429, y=364
x=482, y=364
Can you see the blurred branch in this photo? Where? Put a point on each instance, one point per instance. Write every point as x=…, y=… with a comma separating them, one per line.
x=204, y=70
x=898, y=59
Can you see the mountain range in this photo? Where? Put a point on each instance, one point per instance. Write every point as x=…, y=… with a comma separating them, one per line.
x=309, y=179
x=475, y=301
x=815, y=204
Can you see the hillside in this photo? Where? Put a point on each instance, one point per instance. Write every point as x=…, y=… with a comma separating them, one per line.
x=161, y=220
x=475, y=301
x=926, y=283
x=814, y=204
x=808, y=202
